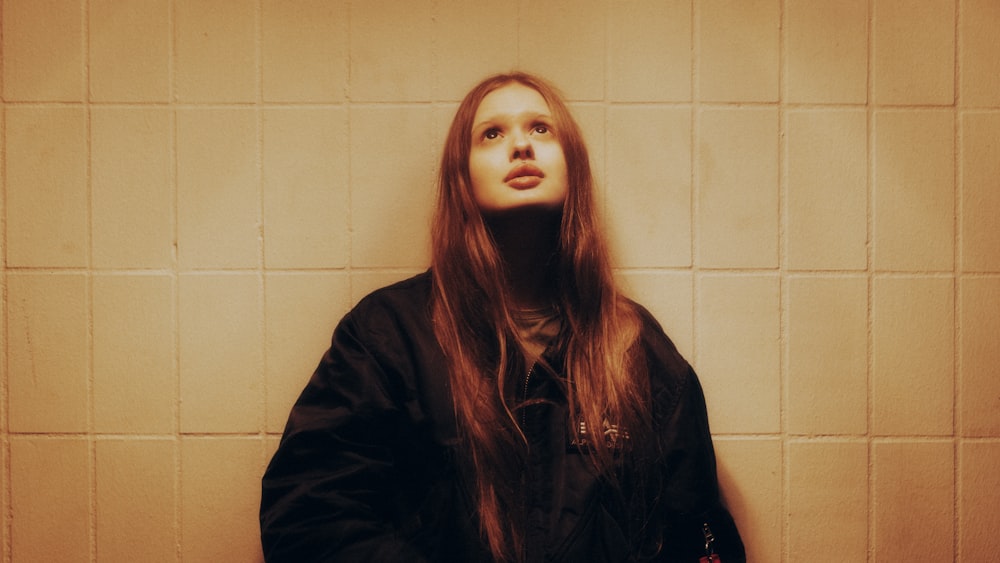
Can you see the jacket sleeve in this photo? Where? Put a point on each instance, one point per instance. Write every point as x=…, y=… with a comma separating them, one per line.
x=328, y=491
x=693, y=511
x=689, y=504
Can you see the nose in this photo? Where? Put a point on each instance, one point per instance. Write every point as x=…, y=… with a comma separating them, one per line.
x=521, y=147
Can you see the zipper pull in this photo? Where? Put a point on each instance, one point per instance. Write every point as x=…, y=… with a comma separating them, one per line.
x=710, y=555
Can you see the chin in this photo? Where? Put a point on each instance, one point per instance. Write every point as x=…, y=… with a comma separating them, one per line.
x=522, y=202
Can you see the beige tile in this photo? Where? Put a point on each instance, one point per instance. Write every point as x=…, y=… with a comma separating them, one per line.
x=135, y=371
x=738, y=50
x=649, y=51
x=271, y=443
x=828, y=355
x=392, y=186
x=826, y=51
x=979, y=53
x=914, y=201
x=306, y=182
x=979, y=386
x=828, y=501
x=218, y=189
x=669, y=296
x=649, y=185
x=750, y=477
x=46, y=196
x=43, y=50
x=364, y=282
x=48, y=352
x=737, y=351
x=129, y=50
x=980, y=192
x=827, y=164
x=132, y=187
x=914, y=501
x=301, y=311
x=913, y=356
x=564, y=42
x=909, y=66
x=737, y=191
x=460, y=55
x=304, y=50
x=391, y=50
x=221, y=360
x=136, y=500
x=215, y=51
x=50, y=499
x=220, y=496
x=979, y=487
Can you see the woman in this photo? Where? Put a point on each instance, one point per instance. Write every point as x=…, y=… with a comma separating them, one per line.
x=509, y=404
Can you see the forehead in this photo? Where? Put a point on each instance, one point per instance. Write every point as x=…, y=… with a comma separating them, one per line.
x=511, y=100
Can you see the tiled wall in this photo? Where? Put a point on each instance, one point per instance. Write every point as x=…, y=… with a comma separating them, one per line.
x=194, y=191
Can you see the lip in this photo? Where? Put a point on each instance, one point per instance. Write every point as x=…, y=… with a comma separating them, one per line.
x=524, y=175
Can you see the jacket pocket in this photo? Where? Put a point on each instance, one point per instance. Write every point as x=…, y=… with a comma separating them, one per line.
x=686, y=539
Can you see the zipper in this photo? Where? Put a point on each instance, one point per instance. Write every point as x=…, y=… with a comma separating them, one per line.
x=524, y=395
x=710, y=556
x=524, y=431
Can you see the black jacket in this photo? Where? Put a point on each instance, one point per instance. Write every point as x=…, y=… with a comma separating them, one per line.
x=367, y=469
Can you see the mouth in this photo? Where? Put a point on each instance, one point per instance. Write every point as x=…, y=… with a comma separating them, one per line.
x=524, y=176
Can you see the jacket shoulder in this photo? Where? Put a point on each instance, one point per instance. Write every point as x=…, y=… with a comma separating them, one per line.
x=670, y=375
x=408, y=292
x=660, y=349
x=403, y=305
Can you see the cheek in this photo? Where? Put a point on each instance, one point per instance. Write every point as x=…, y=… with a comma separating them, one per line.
x=477, y=172
x=481, y=177
x=562, y=171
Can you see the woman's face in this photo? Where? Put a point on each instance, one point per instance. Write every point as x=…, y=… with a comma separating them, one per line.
x=516, y=160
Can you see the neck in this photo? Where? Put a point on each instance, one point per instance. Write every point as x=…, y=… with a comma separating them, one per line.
x=528, y=242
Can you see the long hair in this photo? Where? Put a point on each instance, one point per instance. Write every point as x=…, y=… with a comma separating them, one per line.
x=474, y=326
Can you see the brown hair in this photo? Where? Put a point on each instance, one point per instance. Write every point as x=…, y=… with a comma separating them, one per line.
x=473, y=323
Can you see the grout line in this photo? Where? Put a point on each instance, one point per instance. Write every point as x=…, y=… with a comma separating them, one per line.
x=606, y=46
x=175, y=281
x=349, y=114
x=869, y=262
x=958, y=263
x=434, y=48
x=728, y=435
x=406, y=104
x=83, y=434
x=784, y=351
x=518, y=63
x=6, y=472
x=695, y=179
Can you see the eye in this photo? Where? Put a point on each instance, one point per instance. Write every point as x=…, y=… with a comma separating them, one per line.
x=491, y=133
x=541, y=129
